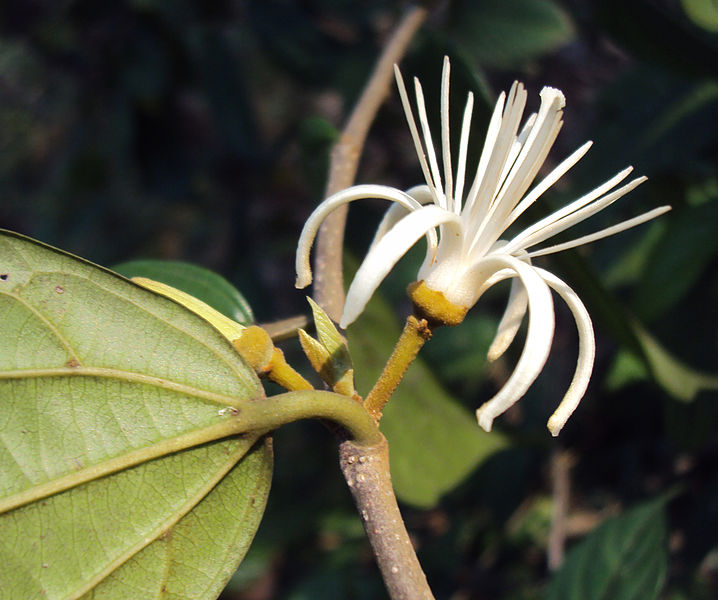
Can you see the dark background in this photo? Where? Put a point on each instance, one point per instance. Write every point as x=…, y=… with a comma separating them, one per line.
x=200, y=130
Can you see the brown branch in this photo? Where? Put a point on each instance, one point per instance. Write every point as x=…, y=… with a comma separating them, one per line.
x=328, y=279
x=366, y=470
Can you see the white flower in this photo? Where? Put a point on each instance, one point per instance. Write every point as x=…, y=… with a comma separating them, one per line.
x=468, y=255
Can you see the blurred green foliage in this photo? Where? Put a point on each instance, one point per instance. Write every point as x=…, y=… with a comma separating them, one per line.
x=624, y=558
x=200, y=131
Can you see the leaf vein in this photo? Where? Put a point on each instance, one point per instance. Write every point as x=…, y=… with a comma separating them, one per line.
x=121, y=375
x=49, y=324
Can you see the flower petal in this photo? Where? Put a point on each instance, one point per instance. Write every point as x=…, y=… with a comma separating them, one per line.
x=586, y=352
x=612, y=230
x=396, y=212
x=533, y=152
x=414, y=131
x=387, y=252
x=511, y=321
x=463, y=147
x=573, y=213
x=429, y=143
x=357, y=192
x=538, y=340
x=484, y=188
x=559, y=171
x=445, y=137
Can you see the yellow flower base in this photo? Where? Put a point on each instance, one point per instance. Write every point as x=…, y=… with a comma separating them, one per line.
x=434, y=307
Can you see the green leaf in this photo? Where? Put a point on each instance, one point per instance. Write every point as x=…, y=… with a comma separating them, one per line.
x=678, y=260
x=625, y=558
x=678, y=379
x=642, y=355
x=507, y=33
x=118, y=468
x=329, y=354
x=664, y=38
x=435, y=442
x=680, y=114
x=331, y=339
x=201, y=283
x=703, y=13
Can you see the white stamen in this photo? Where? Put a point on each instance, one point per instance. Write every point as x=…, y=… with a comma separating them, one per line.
x=558, y=172
x=414, y=131
x=463, y=148
x=552, y=229
x=445, y=139
x=424, y=122
x=492, y=134
x=608, y=231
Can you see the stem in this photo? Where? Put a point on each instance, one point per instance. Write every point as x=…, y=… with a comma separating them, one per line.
x=284, y=329
x=282, y=373
x=256, y=347
x=414, y=336
x=364, y=460
x=561, y=463
x=328, y=279
x=269, y=413
x=366, y=471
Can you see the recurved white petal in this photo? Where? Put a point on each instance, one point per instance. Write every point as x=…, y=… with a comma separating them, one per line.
x=357, y=192
x=396, y=212
x=511, y=321
x=538, y=340
x=586, y=352
x=422, y=194
x=387, y=252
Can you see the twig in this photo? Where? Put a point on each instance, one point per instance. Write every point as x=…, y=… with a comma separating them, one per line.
x=416, y=333
x=366, y=470
x=328, y=279
x=285, y=328
x=561, y=463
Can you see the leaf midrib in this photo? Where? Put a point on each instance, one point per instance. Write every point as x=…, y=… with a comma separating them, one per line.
x=126, y=460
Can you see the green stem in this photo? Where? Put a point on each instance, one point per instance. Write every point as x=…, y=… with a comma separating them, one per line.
x=282, y=373
x=267, y=414
x=414, y=336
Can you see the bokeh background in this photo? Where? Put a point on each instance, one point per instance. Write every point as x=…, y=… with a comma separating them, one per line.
x=200, y=131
